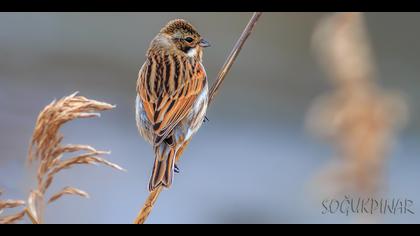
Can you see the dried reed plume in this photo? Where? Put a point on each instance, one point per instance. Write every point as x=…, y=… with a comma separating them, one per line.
x=46, y=148
x=151, y=200
x=358, y=117
x=8, y=204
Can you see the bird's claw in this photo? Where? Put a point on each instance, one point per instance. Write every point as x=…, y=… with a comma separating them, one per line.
x=205, y=119
x=176, y=169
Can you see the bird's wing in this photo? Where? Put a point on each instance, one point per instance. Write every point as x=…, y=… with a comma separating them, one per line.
x=168, y=91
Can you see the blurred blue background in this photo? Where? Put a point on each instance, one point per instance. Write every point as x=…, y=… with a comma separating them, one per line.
x=252, y=163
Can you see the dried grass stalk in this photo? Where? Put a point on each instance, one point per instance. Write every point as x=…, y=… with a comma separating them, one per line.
x=12, y=219
x=68, y=191
x=8, y=204
x=358, y=117
x=46, y=148
x=36, y=207
x=148, y=206
x=151, y=200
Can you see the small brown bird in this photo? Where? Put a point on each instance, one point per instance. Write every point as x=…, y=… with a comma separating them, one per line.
x=172, y=94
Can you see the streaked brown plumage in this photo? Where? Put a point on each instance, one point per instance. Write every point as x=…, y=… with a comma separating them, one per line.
x=171, y=96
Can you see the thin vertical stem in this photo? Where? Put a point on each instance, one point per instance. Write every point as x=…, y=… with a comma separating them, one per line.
x=233, y=55
x=148, y=206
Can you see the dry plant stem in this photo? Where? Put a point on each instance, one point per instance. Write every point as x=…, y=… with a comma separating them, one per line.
x=148, y=206
x=52, y=156
x=233, y=54
x=151, y=200
x=31, y=217
x=14, y=218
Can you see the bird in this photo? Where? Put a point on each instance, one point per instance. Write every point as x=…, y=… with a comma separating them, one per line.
x=172, y=96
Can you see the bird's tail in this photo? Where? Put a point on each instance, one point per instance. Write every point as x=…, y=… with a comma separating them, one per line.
x=163, y=169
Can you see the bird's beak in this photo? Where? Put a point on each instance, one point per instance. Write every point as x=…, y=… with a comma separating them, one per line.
x=204, y=43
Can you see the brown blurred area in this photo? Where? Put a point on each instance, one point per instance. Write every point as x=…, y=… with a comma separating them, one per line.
x=359, y=117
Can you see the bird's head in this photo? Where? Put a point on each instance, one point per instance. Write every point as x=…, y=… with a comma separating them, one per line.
x=184, y=37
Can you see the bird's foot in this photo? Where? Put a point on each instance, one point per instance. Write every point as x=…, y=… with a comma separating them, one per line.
x=176, y=169
x=206, y=119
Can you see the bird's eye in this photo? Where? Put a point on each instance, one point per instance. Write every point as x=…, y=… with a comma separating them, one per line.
x=189, y=39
